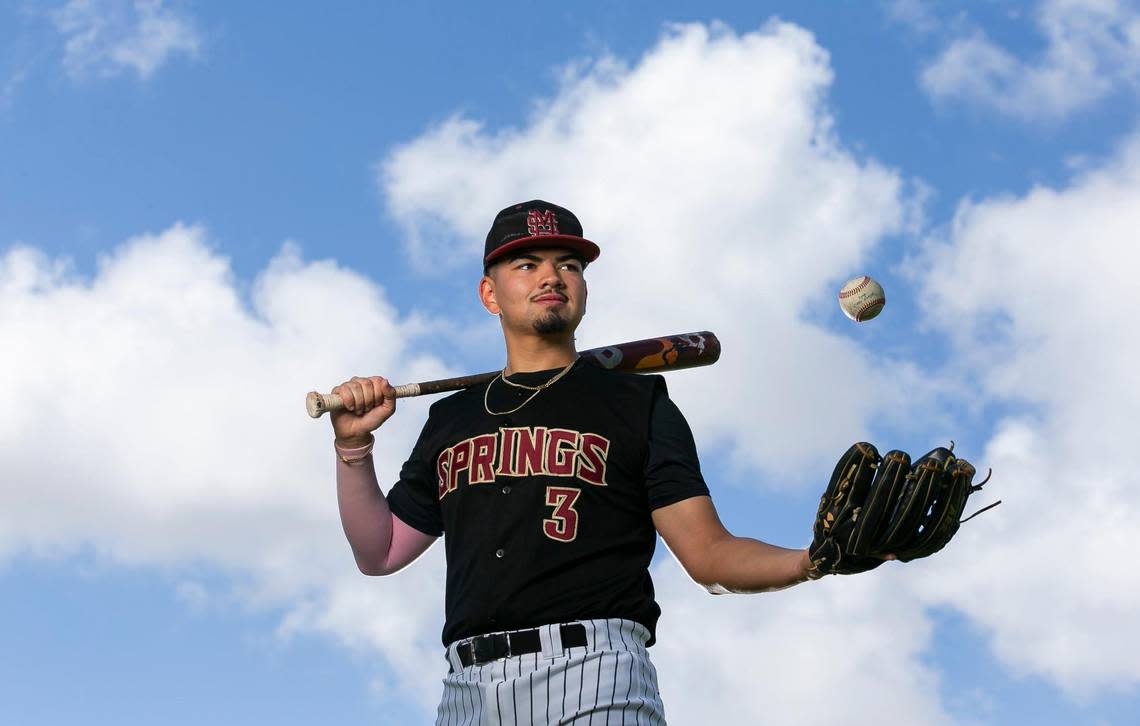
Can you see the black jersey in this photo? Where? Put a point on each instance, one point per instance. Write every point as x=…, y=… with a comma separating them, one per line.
x=545, y=511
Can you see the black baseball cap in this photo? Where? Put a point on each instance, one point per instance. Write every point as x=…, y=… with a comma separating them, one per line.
x=536, y=224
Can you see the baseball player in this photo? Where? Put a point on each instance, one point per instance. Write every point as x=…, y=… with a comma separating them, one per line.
x=550, y=485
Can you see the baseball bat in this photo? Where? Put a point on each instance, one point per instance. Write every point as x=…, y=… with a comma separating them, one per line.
x=670, y=352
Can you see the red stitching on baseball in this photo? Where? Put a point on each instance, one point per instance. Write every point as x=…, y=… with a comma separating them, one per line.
x=855, y=289
x=877, y=302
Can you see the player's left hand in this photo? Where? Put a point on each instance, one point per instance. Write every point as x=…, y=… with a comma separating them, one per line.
x=879, y=508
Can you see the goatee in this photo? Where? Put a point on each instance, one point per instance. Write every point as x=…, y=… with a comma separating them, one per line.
x=552, y=323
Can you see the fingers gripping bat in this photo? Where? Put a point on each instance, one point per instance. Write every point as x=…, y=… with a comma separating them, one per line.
x=671, y=352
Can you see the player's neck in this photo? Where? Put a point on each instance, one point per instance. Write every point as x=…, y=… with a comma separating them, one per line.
x=539, y=353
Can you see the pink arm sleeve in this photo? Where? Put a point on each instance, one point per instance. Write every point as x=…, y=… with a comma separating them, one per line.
x=381, y=542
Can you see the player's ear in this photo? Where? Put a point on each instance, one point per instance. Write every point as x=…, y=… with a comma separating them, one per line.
x=487, y=295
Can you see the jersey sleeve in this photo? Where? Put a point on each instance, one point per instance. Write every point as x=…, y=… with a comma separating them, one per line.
x=672, y=469
x=415, y=497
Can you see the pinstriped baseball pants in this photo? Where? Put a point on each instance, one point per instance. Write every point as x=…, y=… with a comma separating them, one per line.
x=609, y=681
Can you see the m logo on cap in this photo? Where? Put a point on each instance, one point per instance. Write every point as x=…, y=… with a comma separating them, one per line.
x=541, y=223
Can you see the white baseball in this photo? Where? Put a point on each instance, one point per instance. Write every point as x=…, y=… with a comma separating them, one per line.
x=862, y=299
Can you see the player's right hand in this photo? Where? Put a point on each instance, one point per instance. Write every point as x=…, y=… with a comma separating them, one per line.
x=368, y=403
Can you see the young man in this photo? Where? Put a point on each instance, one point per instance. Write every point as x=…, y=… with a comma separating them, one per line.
x=550, y=485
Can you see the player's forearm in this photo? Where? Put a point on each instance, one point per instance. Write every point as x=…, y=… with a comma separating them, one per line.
x=381, y=542
x=364, y=513
x=740, y=564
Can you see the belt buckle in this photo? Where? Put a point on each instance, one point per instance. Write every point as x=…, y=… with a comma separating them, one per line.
x=483, y=649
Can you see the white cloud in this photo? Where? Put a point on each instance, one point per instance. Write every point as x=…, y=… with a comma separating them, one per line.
x=768, y=658
x=152, y=415
x=711, y=177
x=107, y=37
x=1092, y=48
x=1038, y=293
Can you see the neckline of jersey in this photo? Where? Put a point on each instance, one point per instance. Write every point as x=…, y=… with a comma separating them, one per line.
x=534, y=378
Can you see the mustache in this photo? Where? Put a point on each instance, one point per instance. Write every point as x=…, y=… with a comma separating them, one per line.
x=546, y=293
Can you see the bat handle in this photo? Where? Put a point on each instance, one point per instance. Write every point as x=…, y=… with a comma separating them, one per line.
x=318, y=403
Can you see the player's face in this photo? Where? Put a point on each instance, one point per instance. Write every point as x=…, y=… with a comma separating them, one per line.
x=537, y=290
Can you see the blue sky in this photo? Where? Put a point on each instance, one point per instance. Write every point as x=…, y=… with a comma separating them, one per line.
x=208, y=209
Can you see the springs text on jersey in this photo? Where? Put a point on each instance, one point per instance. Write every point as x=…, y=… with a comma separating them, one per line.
x=526, y=451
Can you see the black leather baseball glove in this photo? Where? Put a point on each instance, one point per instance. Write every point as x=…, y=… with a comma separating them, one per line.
x=877, y=507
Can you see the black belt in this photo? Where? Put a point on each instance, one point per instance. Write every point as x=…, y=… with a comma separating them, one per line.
x=486, y=648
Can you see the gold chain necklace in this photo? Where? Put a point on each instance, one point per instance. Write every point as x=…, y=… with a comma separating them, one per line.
x=537, y=389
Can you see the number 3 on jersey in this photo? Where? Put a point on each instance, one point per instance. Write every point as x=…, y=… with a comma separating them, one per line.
x=563, y=522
